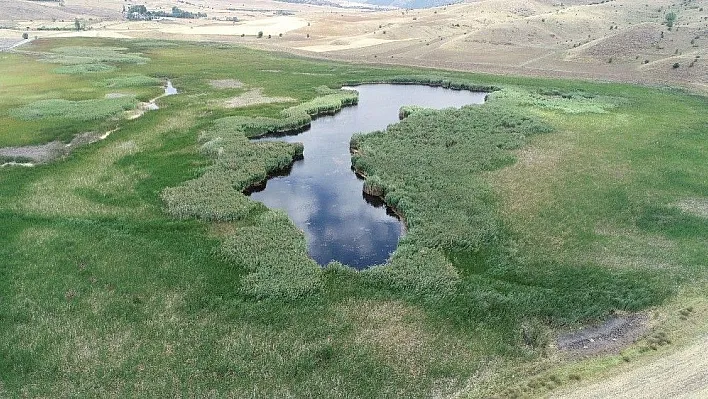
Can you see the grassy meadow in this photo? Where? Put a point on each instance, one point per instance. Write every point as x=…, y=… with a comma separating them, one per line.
x=137, y=267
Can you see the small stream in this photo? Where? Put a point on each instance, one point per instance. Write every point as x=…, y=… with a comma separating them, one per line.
x=48, y=152
x=169, y=90
x=321, y=193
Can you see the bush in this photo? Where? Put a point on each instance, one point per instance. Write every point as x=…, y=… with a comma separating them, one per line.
x=676, y=65
x=25, y=35
x=260, y=34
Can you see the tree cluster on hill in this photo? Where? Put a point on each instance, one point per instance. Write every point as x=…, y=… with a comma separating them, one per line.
x=141, y=13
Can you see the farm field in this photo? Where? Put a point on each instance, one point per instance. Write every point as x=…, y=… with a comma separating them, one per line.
x=131, y=263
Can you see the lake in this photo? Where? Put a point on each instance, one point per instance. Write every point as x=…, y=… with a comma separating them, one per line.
x=324, y=197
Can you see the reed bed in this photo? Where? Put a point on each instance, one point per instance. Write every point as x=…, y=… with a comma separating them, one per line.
x=85, y=110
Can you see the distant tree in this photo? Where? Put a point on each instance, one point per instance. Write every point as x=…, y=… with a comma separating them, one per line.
x=260, y=34
x=79, y=24
x=25, y=35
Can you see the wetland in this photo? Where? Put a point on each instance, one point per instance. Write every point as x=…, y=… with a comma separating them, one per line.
x=324, y=197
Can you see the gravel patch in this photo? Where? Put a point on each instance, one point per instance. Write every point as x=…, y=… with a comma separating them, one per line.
x=681, y=374
x=608, y=337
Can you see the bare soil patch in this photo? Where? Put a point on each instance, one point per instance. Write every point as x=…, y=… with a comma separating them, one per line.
x=608, y=337
x=679, y=375
x=226, y=84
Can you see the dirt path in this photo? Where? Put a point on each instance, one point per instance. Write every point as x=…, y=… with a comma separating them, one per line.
x=683, y=374
x=9, y=45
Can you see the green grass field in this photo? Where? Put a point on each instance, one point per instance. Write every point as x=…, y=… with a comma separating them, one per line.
x=136, y=266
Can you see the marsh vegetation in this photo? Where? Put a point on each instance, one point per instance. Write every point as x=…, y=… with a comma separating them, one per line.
x=324, y=197
x=137, y=266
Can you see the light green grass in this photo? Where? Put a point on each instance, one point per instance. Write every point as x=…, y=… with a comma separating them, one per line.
x=80, y=55
x=85, y=68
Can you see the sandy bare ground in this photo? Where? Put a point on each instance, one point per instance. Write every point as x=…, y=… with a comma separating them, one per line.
x=683, y=374
x=349, y=44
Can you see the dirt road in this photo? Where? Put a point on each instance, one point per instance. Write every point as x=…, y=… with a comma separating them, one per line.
x=683, y=374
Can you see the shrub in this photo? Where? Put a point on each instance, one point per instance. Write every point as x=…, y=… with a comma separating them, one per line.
x=670, y=19
x=676, y=65
x=25, y=35
x=415, y=163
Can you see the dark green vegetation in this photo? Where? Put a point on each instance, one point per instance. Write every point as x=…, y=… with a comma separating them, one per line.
x=136, y=267
x=141, y=13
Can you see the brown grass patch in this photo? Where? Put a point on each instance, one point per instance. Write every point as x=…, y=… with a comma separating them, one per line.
x=226, y=84
x=254, y=97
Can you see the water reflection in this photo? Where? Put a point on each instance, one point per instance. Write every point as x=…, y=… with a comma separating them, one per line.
x=324, y=197
x=169, y=89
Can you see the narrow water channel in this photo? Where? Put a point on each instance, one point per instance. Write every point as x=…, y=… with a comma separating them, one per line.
x=321, y=193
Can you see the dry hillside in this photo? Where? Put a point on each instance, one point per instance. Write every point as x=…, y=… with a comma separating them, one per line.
x=625, y=40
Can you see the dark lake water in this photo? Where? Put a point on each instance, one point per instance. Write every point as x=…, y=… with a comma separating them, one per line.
x=322, y=194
